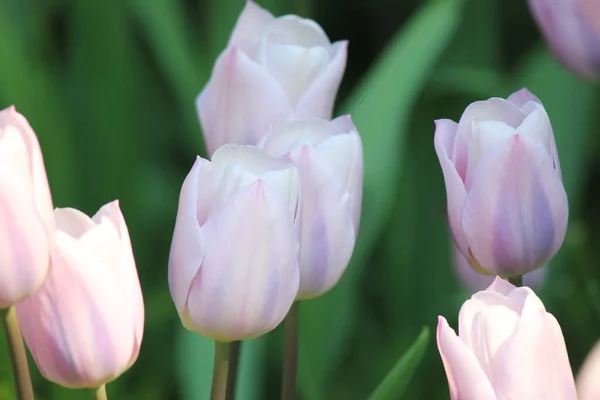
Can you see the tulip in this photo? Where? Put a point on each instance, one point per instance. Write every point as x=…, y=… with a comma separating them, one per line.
x=329, y=158
x=273, y=70
x=572, y=30
x=474, y=281
x=507, y=206
x=84, y=326
x=588, y=384
x=508, y=347
x=27, y=229
x=233, y=267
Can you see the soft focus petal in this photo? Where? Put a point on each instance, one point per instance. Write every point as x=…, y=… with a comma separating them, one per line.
x=522, y=97
x=249, y=275
x=466, y=379
x=588, y=384
x=249, y=28
x=240, y=102
x=515, y=216
x=72, y=221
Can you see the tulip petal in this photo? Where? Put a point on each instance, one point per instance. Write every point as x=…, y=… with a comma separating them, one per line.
x=534, y=364
x=249, y=275
x=65, y=322
x=466, y=379
x=588, y=385
x=515, y=216
x=249, y=28
x=522, y=97
x=445, y=135
x=319, y=99
x=501, y=286
x=240, y=102
x=72, y=221
x=328, y=233
x=186, y=253
x=537, y=126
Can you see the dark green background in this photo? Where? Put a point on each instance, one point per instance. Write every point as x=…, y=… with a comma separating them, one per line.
x=109, y=87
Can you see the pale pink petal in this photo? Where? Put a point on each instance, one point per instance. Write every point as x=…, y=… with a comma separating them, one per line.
x=72, y=221
x=249, y=28
x=241, y=102
x=249, y=275
x=588, y=384
x=466, y=379
x=515, y=215
x=501, y=286
x=522, y=97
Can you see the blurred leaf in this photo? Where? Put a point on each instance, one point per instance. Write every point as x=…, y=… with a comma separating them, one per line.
x=252, y=369
x=395, y=383
x=195, y=363
x=477, y=82
x=381, y=107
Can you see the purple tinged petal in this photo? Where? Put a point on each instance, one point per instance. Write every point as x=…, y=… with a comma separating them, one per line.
x=515, y=216
x=522, y=97
x=249, y=28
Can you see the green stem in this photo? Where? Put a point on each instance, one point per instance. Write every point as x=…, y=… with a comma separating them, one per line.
x=220, y=371
x=100, y=393
x=516, y=280
x=290, y=360
x=17, y=355
x=234, y=360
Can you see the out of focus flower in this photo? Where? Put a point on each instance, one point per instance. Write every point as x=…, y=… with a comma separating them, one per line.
x=27, y=228
x=572, y=30
x=473, y=281
x=233, y=268
x=329, y=158
x=507, y=206
x=273, y=70
x=508, y=347
x=85, y=325
x=588, y=384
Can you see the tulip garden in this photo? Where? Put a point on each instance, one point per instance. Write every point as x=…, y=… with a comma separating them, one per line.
x=292, y=199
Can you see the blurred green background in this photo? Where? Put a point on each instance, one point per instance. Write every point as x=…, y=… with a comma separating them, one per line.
x=109, y=87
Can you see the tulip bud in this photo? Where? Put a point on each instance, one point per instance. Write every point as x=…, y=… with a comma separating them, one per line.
x=474, y=281
x=233, y=267
x=84, y=326
x=588, y=384
x=27, y=229
x=274, y=69
x=508, y=347
x=329, y=159
x=572, y=30
x=507, y=206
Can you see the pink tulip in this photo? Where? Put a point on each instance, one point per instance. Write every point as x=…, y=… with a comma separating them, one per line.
x=508, y=347
x=85, y=325
x=329, y=158
x=233, y=268
x=572, y=30
x=473, y=281
x=588, y=379
x=273, y=70
x=27, y=229
x=507, y=206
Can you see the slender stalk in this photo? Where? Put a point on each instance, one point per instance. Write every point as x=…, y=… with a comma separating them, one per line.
x=290, y=360
x=234, y=361
x=17, y=354
x=517, y=280
x=100, y=393
x=220, y=371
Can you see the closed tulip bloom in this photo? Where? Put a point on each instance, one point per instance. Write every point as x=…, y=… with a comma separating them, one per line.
x=508, y=347
x=507, y=206
x=233, y=267
x=588, y=384
x=85, y=325
x=572, y=30
x=473, y=281
x=329, y=158
x=27, y=229
x=273, y=70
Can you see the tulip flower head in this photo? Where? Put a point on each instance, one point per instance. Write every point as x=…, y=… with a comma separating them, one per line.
x=508, y=347
x=588, y=384
x=273, y=70
x=329, y=158
x=84, y=327
x=507, y=206
x=233, y=267
x=572, y=30
x=27, y=229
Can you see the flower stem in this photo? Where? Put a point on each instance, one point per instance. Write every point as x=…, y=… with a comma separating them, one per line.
x=290, y=360
x=220, y=371
x=17, y=354
x=100, y=393
x=234, y=360
x=516, y=280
